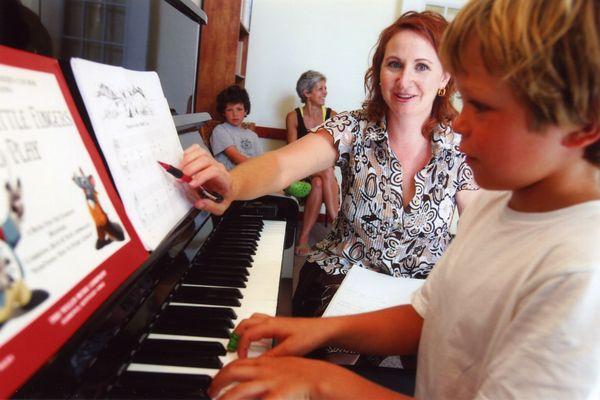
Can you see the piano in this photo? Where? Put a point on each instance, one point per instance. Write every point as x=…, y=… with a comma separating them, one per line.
x=163, y=333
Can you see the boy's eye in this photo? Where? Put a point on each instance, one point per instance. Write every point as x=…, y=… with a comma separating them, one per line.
x=478, y=106
x=422, y=67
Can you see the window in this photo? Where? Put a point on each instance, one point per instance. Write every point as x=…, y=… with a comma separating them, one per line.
x=448, y=12
x=94, y=29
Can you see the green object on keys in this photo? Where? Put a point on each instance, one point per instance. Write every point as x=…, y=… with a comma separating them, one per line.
x=299, y=189
x=234, y=338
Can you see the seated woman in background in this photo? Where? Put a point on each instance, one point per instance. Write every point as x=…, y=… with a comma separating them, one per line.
x=230, y=142
x=402, y=173
x=312, y=90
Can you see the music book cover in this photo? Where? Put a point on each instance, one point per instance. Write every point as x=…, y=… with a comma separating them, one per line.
x=132, y=122
x=65, y=241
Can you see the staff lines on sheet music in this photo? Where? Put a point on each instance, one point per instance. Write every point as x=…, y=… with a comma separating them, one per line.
x=137, y=153
x=152, y=201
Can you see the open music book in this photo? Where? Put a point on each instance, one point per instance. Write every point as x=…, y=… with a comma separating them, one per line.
x=65, y=241
x=134, y=128
x=363, y=290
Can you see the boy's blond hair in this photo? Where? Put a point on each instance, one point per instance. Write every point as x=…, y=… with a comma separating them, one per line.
x=547, y=50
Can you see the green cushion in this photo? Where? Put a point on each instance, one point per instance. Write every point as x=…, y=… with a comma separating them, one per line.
x=299, y=189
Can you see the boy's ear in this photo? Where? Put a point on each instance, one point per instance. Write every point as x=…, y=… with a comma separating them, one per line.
x=582, y=137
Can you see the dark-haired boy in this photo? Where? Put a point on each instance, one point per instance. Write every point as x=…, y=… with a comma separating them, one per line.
x=231, y=143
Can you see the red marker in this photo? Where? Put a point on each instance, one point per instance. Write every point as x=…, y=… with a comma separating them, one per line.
x=177, y=173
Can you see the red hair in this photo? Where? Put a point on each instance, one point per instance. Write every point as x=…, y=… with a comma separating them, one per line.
x=431, y=26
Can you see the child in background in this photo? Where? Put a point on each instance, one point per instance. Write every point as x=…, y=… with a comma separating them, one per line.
x=511, y=309
x=230, y=142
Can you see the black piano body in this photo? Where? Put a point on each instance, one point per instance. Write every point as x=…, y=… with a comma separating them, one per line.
x=93, y=363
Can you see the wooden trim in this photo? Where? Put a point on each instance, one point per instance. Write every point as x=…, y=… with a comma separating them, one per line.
x=218, y=52
x=271, y=133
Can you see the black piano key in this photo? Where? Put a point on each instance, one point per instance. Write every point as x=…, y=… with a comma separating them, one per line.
x=240, y=222
x=241, y=229
x=245, y=249
x=232, y=242
x=205, y=270
x=223, y=251
x=210, y=291
x=215, y=280
x=194, y=312
x=191, y=322
x=210, y=267
x=224, y=263
x=153, y=385
x=237, y=236
x=180, y=353
x=205, y=295
x=205, y=328
x=226, y=258
x=229, y=251
x=239, y=232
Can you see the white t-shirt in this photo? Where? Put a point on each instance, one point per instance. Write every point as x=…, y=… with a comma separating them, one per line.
x=512, y=310
x=245, y=141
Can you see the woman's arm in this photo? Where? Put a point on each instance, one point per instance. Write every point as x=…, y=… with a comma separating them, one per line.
x=291, y=126
x=261, y=175
x=277, y=169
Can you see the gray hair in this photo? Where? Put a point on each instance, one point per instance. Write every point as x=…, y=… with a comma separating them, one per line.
x=307, y=82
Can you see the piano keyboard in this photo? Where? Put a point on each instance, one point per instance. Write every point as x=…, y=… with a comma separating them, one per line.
x=185, y=347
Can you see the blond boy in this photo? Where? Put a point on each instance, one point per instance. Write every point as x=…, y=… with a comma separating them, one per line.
x=512, y=309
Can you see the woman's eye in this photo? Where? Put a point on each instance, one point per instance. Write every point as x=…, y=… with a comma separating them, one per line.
x=422, y=67
x=394, y=64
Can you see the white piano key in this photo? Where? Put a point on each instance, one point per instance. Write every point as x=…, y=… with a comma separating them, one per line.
x=260, y=296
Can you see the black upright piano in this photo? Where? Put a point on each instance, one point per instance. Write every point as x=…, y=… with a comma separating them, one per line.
x=162, y=333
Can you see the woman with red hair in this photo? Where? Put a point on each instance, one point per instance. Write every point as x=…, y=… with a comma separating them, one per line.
x=402, y=173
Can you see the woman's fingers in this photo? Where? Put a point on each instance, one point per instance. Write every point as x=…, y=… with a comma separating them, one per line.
x=216, y=174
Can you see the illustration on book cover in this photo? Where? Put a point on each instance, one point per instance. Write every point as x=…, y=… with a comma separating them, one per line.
x=16, y=297
x=107, y=230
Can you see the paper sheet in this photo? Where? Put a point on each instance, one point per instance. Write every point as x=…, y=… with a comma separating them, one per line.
x=363, y=290
x=133, y=125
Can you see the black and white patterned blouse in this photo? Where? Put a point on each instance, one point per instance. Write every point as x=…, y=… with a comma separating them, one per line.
x=373, y=229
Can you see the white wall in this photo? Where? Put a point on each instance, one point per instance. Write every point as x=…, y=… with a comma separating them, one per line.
x=334, y=37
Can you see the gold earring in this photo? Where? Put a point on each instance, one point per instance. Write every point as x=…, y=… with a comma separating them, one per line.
x=441, y=92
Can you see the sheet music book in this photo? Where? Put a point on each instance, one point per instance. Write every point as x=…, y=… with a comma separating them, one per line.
x=65, y=241
x=134, y=128
x=363, y=290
